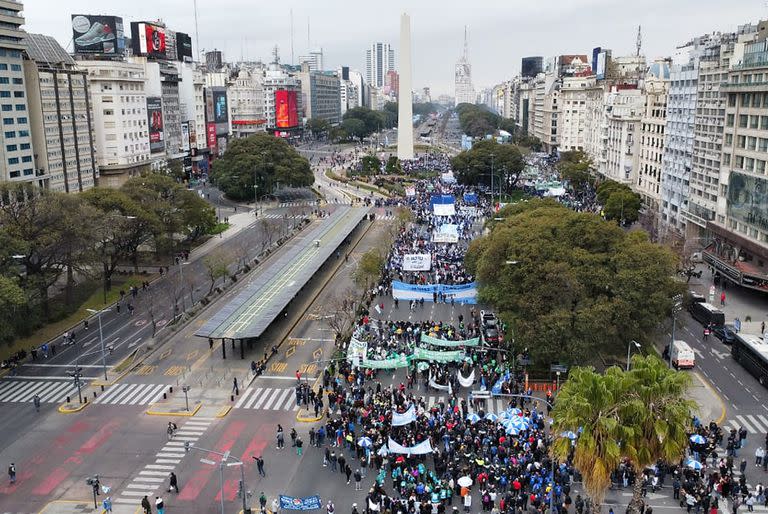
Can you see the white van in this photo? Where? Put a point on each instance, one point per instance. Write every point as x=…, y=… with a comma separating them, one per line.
x=682, y=355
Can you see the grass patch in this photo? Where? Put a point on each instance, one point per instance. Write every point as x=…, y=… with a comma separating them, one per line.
x=94, y=301
x=514, y=196
x=368, y=187
x=218, y=228
x=338, y=178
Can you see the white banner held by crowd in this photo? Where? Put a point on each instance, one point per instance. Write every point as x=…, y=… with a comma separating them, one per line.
x=466, y=382
x=406, y=417
x=422, y=448
x=417, y=262
x=444, y=209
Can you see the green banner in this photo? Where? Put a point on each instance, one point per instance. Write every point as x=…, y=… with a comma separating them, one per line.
x=401, y=361
x=449, y=344
x=437, y=356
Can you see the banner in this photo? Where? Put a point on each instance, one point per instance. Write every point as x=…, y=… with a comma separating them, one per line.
x=401, y=361
x=444, y=209
x=437, y=237
x=470, y=212
x=470, y=198
x=410, y=191
x=496, y=389
x=294, y=503
x=422, y=448
x=437, y=356
x=437, y=386
x=462, y=293
x=356, y=351
x=417, y=262
x=475, y=341
x=466, y=382
x=406, y=417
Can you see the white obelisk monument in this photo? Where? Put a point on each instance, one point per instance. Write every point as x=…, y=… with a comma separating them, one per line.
x=405, y=94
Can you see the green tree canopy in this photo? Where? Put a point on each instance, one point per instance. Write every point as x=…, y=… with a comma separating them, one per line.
x=575, y=167
x=371, y=164
x=318, y=126
x=372, y=121
x=641, y=415
x=355, y=128
x=619, y=202
x=474, y=165
x=477, y=120
x=264, y=158
x=575, y=285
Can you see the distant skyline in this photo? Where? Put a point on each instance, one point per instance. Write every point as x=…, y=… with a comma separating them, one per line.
x=500, y=33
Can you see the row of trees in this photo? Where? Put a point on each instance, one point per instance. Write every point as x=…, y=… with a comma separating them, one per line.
x=486, y=158
x=261, y=160
x=641, y=416
x=51, y=237
x=569, y=284
x=478, y=120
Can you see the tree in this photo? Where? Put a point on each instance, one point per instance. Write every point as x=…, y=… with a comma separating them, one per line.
x=371, y=165
x=589, y=403
x=474, y=165
x=393, y=165
x=342, y=314
x=641, y=415
x=215, y=267
x=264, y=158
x=12, y=301
x=570, y=284
x=623, y=206
x=318, y=126
x=355, y=128
x=508, y=125
x=477, y=120
x=575, y=167
x=368, y=269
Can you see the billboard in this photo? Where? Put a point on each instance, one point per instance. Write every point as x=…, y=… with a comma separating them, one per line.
x=600, y=68
x=192, y=134
x=185, y=136
x=220, y=110
x=148, y=40
x=747, y=199
x=183, y=47
x=98, y=34
x=210, y=130
x=285, y=109
x=170, y=45
x=155, y=123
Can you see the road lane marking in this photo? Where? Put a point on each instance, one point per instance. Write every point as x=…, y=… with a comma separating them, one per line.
x=746, y=424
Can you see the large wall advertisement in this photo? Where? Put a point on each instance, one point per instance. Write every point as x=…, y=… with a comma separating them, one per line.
x=155, y=122
x=183, y=47
x=748, y=199
x=185, y=136
x=98, y=34
x=602, y=61
x=148, y=40
x=220, y=110
x=286, y=115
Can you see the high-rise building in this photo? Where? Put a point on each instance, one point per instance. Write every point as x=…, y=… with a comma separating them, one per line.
x=320, y=94
x=17, y=155
x=314, y=59
x=379, y=59
x=652, y=125
x=192, y=109
x=392, y=84
x=60, y=116
x=573, y=112
x=624, y=107
x=465, y=92
x=281, y=89
x=246, y=101
x=120, y=119
x=531, y=66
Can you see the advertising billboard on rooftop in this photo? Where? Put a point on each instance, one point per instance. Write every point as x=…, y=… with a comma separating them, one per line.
x=148, y=40
x=286, y=115
x=98, y=35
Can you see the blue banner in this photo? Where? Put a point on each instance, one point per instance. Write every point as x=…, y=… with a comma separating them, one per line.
x=470, y=198
x=441, y=199
x=462, y=293
x=293, y=503
x=496, y=389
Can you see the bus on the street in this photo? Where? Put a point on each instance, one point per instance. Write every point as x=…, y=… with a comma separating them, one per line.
x=751, y=351
x=707, y=314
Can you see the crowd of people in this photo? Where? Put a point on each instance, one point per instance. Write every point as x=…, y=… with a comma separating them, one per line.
x=439, y=162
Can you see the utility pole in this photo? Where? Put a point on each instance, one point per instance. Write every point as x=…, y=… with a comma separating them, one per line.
x=677, y=306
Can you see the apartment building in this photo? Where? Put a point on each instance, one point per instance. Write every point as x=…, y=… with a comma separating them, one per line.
x=652, y=125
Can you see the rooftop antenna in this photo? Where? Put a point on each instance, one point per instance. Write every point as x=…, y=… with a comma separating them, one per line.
x=276, y=54
x=292, y=36
x=466, y=44
x=197, y=34
x=309, y=44
x=639, y=43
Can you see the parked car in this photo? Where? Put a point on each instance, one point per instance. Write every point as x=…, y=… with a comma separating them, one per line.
x=491, y=335
x=725, y=333
x=488, y=320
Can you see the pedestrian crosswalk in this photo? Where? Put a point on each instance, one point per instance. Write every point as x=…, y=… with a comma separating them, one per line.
x=306, y=203
x=167, y=458
x=268, y=398
x=754, y=423
x=283, y=216
x=23, y=391
x=132, y=394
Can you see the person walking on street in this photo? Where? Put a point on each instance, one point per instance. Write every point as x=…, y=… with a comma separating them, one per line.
x=106, y=504
x=348, y=472
x=299, y=445
x=145, y=505
x=722, y=298
x=173, y=485
x=36, y=401
x=159, y=505
x=275, y=506
x=280, y=438
x=263, y=503
x=260, y=465
x=235, y=388
x=12, y=473
x=358, y=480
x=293, y=437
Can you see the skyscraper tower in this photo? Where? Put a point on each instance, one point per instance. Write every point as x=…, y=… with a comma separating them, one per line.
x=465, y=93
x=405, y=96
x=379, y=59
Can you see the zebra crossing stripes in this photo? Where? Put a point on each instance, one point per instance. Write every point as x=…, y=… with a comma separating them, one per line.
x=282, y=216
x=49, y=391
x=755, y=424
x=298, y=204
x=268, y=398
x=167, y=458
x=132, y=394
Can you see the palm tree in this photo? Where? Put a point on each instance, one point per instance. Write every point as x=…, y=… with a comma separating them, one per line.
x=590, y=403
x=656, y=416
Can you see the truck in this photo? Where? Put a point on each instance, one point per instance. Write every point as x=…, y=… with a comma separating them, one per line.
x=683, y=356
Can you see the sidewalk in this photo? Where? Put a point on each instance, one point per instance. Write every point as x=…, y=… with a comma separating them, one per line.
x=740, y=302
x=711, y=406
x=85, y=507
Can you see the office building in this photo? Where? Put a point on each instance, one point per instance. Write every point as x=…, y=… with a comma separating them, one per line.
x=465, y=91
x=652, y=125
x=59, y=116
x=320, y=94
x=246, y=100
x=379, y=59
x=17, y=162
x=314, y=60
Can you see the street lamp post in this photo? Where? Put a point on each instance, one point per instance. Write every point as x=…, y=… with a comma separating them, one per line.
x=101, y=339
x=226, y=456
x=492, y=180
x=676, y=307
x=629, y=350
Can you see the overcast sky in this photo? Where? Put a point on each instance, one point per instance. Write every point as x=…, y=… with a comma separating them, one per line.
x=500, y=31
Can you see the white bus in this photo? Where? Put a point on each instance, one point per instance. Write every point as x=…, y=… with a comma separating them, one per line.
x=751, y=351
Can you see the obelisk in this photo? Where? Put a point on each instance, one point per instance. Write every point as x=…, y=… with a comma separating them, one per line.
x=405, y=94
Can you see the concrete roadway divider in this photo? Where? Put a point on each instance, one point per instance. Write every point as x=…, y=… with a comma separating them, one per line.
x=305, y=415
x=181, y=413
